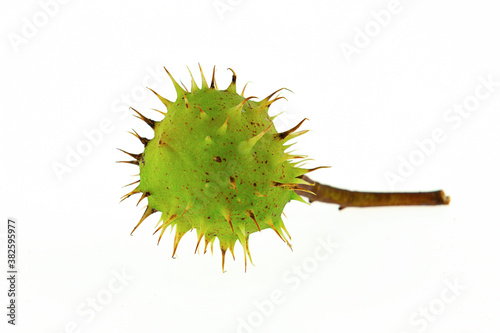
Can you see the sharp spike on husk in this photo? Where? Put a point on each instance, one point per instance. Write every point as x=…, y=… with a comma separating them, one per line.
x=285, y=147
x=244, y=87
x=227, y=215
x=148, y=121
x=268, y=98
x=202, y=113
x=236, y=110
x=164, y=226
x=178, y=235
x=194, y=86
x=204, y=84
x=161, y=234
x=178, y=88
x=206, y=245
x=222, y=130
x=288, y=156
x=142, y=139
x=135, y=162
x=213, y=84
x=223, y=258
x=248, y=250
x=279, y=230
x=246, y=146
x=241, y=233
x=184, y=86
x=209, y=239
x=274, y=100
x=232, y=85
x=163, y=113
x=270, y=223
x=137, y=181
x=277, y=115
x=300, y=181
x=294, y=135
x=302, y=171
x=251, y=214
x=188, y=207
x=231, y=248
x=165, y=101
x=144, y=195
x=296, y=197
x=147, y=212
x=283, y=135
x=134, y=156
x=301, y=189
x=301, y=162
x=286, y=231
x=186, y=102
x=320, y=167
x=292, y=186
x=200, y=236
x=134, y=191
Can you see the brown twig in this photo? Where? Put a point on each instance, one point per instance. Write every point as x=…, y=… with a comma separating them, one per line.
x=345, y=198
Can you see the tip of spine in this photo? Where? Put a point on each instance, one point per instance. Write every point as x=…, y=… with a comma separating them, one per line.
x=227, y=215
x=186, y=102
x=200, y=236
x=165, y=101
x=213, y=84
x=236, y=110
x=268, y=98
x=204, y=84
x=147, y=212
x=232, y=85
x=244, y=88
x=288, y=134
x=163, y=113
x=178, y=235
x=142, y=139
x=178, y=88
x=246, y=146
x=202, y=113
x=151, y=123
x=251, y=215
x=144, y=195
x=137, y=157
x=222, y=130
x=134, y=191
x=194, y=86
x=223, y=251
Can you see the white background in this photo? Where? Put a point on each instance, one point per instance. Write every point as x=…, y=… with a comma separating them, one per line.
x=86, y=64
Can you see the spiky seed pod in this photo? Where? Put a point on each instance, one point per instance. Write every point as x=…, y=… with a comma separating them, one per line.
x=217, y=164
